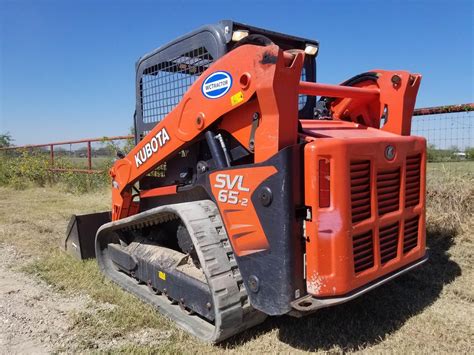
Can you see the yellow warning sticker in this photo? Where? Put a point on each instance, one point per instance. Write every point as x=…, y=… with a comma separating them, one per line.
x=237, y=98
x=162, y=275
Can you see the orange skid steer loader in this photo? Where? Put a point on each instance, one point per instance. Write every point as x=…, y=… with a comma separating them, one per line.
x=253, y=190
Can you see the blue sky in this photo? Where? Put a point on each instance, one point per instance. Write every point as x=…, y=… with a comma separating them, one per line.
x=67, y=67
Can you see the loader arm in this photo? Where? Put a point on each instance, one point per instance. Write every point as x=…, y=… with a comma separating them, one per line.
x=267, y=72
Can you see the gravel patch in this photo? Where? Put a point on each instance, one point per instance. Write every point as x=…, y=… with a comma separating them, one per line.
x=33, y=317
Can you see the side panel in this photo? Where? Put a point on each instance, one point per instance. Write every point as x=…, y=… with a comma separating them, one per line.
x=266, y=233
x=233, y=191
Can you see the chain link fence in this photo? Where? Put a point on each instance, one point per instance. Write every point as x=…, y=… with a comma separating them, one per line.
x=449, y=131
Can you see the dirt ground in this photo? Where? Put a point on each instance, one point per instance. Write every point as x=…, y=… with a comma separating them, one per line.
x=33, y=317
x=37, y=319
x=50, y=302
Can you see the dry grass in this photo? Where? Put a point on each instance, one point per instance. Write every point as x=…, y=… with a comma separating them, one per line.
x=428, y=310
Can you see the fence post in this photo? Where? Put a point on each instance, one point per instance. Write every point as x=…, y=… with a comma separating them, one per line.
x=51, y=153
x=89, y=155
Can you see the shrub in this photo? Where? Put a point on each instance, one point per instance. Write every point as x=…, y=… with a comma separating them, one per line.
x=21, y=169
x=28, y=167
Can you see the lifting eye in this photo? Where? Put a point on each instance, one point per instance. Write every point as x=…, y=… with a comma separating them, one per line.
x=245, y=80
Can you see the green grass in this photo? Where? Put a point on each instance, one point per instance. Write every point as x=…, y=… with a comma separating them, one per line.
x=461, y=167
x=427, y=310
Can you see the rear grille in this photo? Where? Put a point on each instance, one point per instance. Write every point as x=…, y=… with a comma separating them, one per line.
x=388, y=237
x=412, y=180
x=410, y=238
x=388, y=191
x=391, y=242
x=360, y=190
x=363, y=251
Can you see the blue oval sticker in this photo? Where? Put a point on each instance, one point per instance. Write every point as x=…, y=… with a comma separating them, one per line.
x=216, y=85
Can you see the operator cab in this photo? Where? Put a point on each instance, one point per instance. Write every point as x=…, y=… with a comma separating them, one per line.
x=164, y=75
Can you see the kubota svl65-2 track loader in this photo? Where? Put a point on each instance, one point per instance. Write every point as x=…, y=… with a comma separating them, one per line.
x=246, y=196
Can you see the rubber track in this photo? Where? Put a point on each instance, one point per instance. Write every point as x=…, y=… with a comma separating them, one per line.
x=233, y=312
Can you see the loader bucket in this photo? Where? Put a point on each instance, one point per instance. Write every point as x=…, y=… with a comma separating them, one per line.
x=80, y=234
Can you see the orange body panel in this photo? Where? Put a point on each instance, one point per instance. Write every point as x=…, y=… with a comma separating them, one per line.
x=360, y=236
x=233, y=192
x=159, y=191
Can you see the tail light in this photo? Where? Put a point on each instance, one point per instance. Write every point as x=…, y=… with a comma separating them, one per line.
x=324, y=183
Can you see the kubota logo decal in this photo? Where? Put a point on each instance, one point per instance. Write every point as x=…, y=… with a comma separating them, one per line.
x=150, y=148
x=216, y=85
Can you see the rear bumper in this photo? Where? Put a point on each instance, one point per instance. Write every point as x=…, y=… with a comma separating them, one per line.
x=309, y=303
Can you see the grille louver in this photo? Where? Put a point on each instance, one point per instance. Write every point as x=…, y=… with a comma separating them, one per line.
x=388, y=237
x=363, y=251
x=412, y=180
x=388, y=191
x=410, y=239
x=360, y=190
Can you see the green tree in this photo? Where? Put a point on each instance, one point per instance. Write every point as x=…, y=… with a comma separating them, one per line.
x=6, y=140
